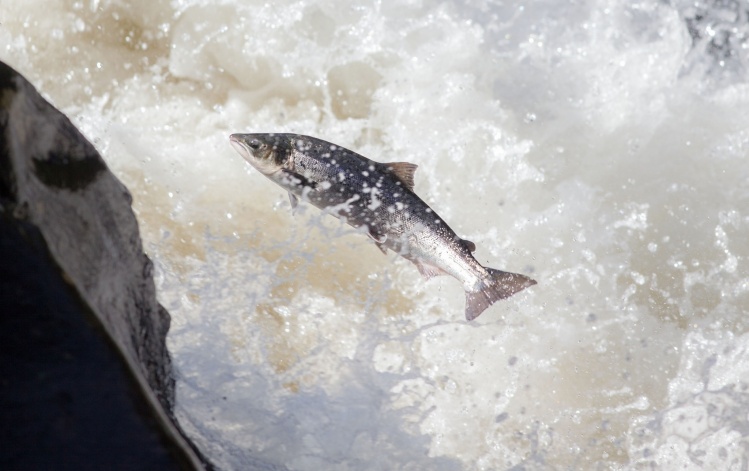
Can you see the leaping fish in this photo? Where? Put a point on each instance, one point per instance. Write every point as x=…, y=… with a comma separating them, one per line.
x=378, y=198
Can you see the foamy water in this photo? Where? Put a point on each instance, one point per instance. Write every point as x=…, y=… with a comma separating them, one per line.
x=599, y=147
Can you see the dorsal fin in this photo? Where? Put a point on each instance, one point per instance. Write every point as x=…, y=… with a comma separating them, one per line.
x=403, y=172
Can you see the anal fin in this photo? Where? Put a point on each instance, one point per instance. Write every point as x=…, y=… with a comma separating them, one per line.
x=428, y=271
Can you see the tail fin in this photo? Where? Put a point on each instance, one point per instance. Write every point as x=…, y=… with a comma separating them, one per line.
x=501, y=285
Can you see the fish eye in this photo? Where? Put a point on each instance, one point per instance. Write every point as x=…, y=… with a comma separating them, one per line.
x=255, y=144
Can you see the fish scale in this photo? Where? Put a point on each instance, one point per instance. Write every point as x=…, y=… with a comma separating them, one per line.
x=379, y=198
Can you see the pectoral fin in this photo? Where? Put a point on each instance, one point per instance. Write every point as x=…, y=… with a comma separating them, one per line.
x=294, y=201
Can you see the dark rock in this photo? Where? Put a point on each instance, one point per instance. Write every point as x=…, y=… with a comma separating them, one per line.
x=85, y=377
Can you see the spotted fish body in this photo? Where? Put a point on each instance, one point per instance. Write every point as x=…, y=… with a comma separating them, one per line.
x=377, y=198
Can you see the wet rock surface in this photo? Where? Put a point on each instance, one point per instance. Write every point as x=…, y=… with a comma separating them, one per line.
x=85, y=377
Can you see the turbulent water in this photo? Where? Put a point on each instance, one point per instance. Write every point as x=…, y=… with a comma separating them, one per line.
x=598, y=146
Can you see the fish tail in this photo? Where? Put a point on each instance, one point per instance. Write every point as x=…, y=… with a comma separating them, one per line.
x=499, y=285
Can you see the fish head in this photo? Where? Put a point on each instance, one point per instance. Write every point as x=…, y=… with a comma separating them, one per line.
x=266, y=152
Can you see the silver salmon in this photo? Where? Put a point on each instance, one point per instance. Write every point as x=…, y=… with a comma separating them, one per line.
x=377, y=198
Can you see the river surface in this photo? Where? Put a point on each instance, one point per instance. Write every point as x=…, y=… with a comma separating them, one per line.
x=599, y=146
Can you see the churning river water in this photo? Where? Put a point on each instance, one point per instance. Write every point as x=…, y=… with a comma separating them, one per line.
x=599, y=146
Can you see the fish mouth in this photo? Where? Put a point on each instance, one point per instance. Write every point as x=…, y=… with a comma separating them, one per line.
x=260, y=158
x=237, y=143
